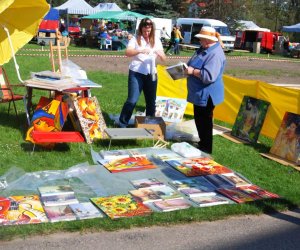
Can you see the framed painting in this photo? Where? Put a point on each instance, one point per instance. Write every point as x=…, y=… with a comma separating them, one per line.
x=287, y=141
x=90, y=118
x=250, y=119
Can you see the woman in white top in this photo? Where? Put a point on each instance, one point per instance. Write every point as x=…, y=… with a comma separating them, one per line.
x=144, y=49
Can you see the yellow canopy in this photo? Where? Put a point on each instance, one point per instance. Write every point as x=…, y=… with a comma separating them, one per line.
x=21, y=18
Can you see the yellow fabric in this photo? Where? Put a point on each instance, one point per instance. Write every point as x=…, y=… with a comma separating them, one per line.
x=281, y=99
x=21, y=18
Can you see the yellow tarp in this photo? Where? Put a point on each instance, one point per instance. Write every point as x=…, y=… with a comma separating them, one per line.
x=282, y=99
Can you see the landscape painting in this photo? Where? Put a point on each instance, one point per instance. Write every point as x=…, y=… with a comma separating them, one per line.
x=250, y=119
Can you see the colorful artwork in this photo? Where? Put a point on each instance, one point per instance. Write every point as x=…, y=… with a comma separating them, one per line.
x=90, y=118
x=121, y=206
x=198, y=166
x=49, y=116
x=21, y=210
x=127, y=164
x=250, y=119
x=287, y=141
x=170, y=109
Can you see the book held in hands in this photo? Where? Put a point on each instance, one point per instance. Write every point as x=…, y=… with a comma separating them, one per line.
x=177, y=71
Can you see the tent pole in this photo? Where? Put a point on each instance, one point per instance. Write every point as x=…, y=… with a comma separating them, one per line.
x=13, y=53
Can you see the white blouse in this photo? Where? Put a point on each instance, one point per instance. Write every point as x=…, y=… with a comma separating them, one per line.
x=142, y=63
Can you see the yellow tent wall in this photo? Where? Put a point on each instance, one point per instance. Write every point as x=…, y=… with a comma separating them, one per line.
x=281, y=99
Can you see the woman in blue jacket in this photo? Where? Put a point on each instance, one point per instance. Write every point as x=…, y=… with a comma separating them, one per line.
x=205, y=83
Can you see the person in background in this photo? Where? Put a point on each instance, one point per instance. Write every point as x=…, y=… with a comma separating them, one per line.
x=171, y=41
x=177, y=39
x=205, y=84
x=164, y=35
x=144, y=49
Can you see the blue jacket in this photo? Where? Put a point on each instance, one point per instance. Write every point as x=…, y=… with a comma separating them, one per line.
x=211, y=63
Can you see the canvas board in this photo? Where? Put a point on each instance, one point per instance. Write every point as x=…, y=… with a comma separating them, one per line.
x=90, y=118
x=250, y=119
x=170, y=109
x=287, y=141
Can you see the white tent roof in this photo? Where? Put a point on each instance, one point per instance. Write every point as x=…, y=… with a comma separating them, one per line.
x=250, y=25
x=107, y=7
x=77, y=7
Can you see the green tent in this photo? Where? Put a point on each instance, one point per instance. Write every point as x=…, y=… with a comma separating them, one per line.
x=116, y=15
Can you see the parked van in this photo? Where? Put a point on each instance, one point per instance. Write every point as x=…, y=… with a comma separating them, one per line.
x=192, y=26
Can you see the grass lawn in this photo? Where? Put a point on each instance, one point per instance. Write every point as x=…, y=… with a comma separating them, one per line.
x=244, y=159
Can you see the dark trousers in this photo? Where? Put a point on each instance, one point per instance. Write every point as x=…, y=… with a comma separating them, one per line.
x=204, y=122
x=137, y=83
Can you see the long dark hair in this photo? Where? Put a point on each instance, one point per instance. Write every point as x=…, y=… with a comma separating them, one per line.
x=142, y=24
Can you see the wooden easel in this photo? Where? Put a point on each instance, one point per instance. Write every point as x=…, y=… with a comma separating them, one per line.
x=62, y=43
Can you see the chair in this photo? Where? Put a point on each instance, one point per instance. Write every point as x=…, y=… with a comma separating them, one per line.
x=6, y=92
x=105, y=43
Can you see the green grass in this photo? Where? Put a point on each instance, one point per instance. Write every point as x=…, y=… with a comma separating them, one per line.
x=244, y=159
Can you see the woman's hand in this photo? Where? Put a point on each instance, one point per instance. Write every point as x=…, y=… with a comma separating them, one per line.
x=190, y=70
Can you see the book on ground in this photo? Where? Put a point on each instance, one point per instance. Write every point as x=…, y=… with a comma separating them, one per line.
x=60, y=199
x=199, y=182
x=127, y=164
x=55, y=190
x=57, y=195
x=257, y=192
x=209, y=200
x=146, y=182
x=219, y=181
x=85, y=210
x=171, y=204
x=177, y=71
x=235, y=194
x=155, y=193
x=120, y=206
x=198, y=166
x=192, y=192
x=60, y=213
x=235, y=179
x=114, y=154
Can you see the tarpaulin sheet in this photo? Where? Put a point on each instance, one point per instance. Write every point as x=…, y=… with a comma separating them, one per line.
x=282, y=99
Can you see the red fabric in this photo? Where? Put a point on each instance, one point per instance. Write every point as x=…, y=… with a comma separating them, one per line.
x=48, y=25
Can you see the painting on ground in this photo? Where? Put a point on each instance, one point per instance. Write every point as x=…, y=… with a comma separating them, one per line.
x=170, y=109
x=287, y=141
x=90, y=118
x=250, y=119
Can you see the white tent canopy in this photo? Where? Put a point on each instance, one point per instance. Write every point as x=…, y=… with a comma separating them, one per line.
x=250, y=25
x=107, y=7
x=79, y=7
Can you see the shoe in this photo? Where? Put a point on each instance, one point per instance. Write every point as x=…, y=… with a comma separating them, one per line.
x=117, y=124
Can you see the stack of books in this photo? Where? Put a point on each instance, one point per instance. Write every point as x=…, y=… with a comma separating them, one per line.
x=56, y=200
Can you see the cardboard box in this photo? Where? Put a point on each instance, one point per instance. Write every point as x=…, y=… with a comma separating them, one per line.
x=155, y=125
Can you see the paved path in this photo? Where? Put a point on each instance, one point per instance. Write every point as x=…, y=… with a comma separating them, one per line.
x=276, y=231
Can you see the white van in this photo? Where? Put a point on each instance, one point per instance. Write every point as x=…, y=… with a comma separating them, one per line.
x=192, y=26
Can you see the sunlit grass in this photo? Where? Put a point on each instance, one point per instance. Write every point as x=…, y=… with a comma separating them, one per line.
x=244, y=159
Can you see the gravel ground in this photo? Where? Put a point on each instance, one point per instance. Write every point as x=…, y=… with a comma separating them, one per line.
x=289, y=71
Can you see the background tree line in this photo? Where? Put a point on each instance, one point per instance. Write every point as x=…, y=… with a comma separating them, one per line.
x=265, y=13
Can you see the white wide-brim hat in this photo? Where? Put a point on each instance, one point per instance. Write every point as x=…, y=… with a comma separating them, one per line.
x=208, y=33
